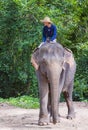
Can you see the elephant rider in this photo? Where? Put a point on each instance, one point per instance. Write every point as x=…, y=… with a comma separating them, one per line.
x=49, y=31
x=49, y=35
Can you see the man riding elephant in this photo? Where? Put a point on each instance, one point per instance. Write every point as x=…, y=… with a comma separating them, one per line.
x=55, y=67
x=49, y=34
x=49, y=31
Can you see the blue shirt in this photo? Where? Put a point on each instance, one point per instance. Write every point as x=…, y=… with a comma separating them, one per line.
x=49, y=32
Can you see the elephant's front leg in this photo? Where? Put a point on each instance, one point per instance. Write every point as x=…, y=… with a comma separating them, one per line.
x=43, y=92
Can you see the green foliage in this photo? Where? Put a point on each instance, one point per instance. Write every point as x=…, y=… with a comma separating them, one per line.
x=21, y=33
x=81, y=81
x=23, y=102
x=33, y=89
x=80, y=91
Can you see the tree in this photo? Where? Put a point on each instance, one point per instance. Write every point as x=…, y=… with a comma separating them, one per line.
x=21, y=33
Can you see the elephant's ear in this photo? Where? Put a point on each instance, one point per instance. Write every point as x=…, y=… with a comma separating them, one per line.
x=68, y=58
x=35, y=59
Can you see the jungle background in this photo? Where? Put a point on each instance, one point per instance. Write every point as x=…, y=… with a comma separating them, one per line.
x=21, y=33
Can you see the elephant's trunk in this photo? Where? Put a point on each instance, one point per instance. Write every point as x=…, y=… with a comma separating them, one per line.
x=54, y=88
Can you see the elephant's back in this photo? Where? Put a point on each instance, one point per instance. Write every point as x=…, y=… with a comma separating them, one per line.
x=52, y=50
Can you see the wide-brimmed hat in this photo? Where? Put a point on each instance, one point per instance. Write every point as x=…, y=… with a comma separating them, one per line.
x=46, y=19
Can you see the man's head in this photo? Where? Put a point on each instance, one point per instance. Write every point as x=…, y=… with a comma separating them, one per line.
x=46, y=21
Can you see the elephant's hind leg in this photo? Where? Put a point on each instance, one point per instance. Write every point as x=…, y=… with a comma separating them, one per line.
x=69, y=102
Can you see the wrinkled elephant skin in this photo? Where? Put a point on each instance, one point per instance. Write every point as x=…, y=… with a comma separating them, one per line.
x=55, y=72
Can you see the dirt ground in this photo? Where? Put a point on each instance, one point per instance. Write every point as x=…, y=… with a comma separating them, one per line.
x=13, y=118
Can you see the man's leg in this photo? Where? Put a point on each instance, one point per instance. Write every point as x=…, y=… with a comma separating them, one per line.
x=54, y=41
x=41, y=44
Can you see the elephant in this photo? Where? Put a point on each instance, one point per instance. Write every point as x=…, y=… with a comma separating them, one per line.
x=55, y=68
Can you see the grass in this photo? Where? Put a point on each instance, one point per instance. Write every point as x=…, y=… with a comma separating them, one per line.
x=23, y=102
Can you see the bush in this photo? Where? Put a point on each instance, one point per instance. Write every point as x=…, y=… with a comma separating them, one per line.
x=21, y=33
x=81, y=81
x=23, y=102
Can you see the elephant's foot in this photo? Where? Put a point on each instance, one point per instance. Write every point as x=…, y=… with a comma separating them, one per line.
x=54, y=121
x=43, y=121
x=71, y=116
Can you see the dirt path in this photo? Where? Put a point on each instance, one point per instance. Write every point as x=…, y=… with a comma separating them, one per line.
x=12, y=118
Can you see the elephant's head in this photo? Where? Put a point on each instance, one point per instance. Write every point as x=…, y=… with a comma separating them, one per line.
x=51, y=57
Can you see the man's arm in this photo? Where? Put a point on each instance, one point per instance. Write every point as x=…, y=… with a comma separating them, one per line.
x=44, y=37
x=55, y=34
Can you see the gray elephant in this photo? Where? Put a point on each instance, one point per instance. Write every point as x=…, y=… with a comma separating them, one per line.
x=55, y=67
